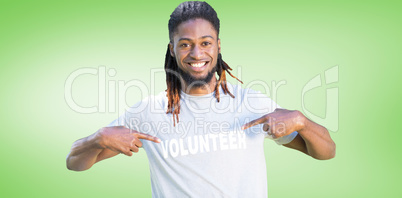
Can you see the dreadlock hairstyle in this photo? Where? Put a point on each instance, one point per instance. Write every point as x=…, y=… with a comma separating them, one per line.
x=184, y=12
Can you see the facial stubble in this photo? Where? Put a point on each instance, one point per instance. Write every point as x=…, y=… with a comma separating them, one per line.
x=197, y=82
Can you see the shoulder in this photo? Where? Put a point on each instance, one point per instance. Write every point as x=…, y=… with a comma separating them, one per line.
x=239, y=91
x=151, y=103
x=252, y=99
x=159, y=99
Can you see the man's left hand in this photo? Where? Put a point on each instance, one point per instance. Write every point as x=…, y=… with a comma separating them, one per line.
x=279, y=123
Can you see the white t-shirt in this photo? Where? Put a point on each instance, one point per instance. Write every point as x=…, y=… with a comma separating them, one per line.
x=206, y=154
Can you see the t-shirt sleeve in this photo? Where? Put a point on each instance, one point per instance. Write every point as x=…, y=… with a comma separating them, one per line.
x=285, y=139
x=133, y=116
x=139, y=116
x=128, y=120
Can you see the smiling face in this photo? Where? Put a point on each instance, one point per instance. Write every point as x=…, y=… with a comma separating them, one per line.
x=196, y=47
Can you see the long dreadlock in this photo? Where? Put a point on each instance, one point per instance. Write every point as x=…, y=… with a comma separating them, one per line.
x=184, y=12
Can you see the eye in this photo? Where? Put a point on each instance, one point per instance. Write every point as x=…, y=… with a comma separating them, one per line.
x=184, y=45
x=205, y=43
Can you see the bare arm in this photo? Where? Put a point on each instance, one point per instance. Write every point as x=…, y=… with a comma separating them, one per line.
x=313, y=139
x=86, y=152
x=105, y=143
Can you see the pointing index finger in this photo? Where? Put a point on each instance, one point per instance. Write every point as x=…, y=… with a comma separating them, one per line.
x=254, y=122
x=147, y=137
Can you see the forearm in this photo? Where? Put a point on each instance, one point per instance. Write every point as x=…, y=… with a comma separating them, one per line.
x=318, y=142
x=84, y=153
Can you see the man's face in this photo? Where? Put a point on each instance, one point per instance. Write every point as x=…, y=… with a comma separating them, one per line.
x=196, y=47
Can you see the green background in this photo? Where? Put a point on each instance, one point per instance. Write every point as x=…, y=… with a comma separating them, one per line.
x=43, y=42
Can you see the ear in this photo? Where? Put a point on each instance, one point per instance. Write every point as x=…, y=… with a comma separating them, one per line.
x=171, y=49
x=219, y=46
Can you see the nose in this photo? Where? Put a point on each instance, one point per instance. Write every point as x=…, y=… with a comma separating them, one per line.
x=196, y=52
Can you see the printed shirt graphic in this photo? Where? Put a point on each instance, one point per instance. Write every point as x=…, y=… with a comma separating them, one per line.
x=206, y=154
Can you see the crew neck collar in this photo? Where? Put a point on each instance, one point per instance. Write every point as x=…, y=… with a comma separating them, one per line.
x=209, y=95
x=184, y=95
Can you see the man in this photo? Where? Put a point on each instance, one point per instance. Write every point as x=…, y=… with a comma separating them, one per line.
x=200, y=142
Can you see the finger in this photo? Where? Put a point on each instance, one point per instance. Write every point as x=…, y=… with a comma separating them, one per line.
x=127, y=152
x=265, y=127
x=255, y=122
x=137, y=142
x=147, y=137
x=279, y=130
x=135, y=149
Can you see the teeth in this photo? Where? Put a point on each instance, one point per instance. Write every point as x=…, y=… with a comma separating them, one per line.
x=197, y=64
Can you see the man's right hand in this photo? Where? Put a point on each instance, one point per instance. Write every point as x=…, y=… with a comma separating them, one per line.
x=122, y=140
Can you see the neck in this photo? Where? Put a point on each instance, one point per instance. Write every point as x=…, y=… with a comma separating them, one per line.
x=202, y=90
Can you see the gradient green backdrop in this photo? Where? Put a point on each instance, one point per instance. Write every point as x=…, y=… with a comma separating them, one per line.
x=42, y=42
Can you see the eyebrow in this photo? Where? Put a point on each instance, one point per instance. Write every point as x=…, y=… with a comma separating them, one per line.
x=203, y=37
